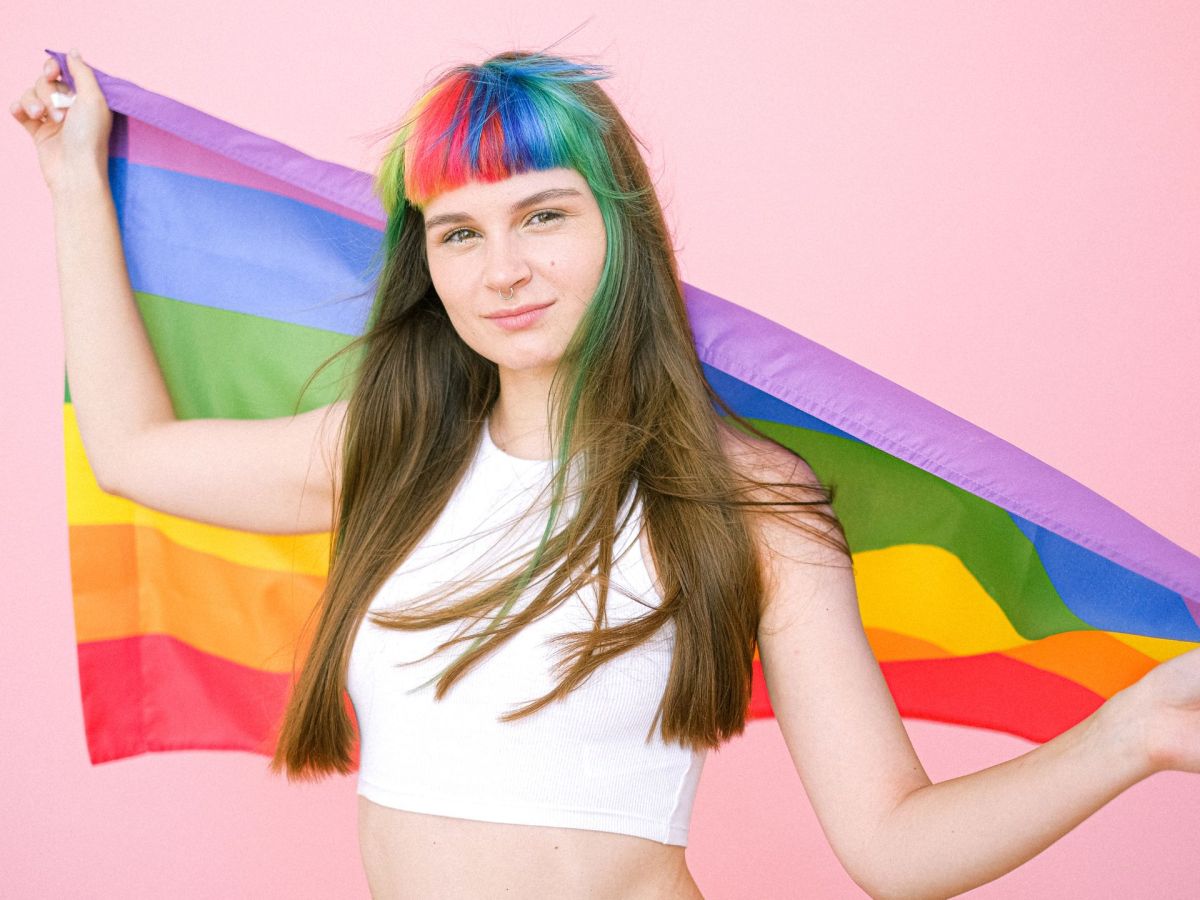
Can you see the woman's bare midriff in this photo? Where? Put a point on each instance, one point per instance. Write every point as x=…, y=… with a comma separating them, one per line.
x=414, y=856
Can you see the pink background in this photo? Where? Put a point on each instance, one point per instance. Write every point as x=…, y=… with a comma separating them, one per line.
x=994, y=204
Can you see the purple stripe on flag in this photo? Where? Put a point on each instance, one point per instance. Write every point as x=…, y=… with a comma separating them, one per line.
x=146, y=145
x=837, y=390
x=341, y=185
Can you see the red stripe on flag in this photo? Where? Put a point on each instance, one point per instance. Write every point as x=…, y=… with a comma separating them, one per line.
x=990, y=690
x=152, y=692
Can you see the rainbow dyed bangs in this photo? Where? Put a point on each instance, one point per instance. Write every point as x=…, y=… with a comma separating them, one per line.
x=508, y=115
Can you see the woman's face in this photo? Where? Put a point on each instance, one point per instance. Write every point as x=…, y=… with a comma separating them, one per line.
x=539, y=236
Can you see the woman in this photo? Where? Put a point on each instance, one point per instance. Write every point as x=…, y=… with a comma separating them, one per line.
x=530, y=453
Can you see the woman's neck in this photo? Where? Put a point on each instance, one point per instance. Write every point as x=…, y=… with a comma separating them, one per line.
x=520, y=424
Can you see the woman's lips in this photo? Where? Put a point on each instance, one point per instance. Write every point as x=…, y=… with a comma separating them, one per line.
x=521, y=317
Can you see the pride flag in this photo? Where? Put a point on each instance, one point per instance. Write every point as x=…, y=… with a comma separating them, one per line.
x=996, y=591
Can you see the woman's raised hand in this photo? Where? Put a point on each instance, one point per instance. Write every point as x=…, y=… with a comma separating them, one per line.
x=1162, y=713
x=68, y=139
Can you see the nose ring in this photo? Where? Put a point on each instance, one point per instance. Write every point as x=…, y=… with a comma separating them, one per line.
x=511, y=292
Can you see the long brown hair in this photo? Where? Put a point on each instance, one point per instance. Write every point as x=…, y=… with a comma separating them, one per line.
x=632, y=413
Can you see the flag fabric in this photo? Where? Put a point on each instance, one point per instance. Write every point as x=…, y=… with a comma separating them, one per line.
x=995, y=591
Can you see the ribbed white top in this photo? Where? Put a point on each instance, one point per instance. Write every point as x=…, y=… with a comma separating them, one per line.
x=583, y=762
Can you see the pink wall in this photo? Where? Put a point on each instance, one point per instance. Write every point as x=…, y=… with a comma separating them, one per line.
x=994, y=204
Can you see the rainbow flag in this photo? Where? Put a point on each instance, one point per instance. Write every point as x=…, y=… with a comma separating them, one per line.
x=996, y=591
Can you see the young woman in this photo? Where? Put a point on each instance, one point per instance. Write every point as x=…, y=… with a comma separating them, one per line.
x=553, y=561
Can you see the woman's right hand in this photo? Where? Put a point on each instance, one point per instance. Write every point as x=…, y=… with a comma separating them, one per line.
x=72, y=139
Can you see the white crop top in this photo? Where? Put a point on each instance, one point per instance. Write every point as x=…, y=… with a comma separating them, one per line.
x=582, y=762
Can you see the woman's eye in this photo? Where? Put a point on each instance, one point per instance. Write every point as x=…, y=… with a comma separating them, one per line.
x=545, y=216
x=462, y=235
x=457, y=236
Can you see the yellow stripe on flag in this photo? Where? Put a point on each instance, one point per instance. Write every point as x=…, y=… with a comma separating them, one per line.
x=87, y=504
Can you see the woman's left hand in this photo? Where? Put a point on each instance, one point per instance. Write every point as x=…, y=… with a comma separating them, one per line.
x=1161, y=714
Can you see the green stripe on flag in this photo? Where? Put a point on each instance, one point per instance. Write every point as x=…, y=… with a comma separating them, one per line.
x=231, y=365
x=884, y=501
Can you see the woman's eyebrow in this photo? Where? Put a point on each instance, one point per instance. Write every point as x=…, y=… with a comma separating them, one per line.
x=456, y=218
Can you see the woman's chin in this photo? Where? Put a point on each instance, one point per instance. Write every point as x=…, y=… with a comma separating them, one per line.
x=527, y=365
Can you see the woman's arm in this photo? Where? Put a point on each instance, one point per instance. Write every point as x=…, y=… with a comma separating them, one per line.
x=945, y=838
x=272, y=475
x=116, y=387
x=897, y=834
x=268, y=475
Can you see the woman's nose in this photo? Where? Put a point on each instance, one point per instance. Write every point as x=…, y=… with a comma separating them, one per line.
x=506, y=267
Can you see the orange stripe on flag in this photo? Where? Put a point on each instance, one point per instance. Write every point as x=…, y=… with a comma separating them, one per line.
x=132, y=580
x=889, y=645
x=1094, y=659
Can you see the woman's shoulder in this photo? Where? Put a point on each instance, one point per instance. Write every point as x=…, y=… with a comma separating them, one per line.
x=760, y=459
x=793, y=515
